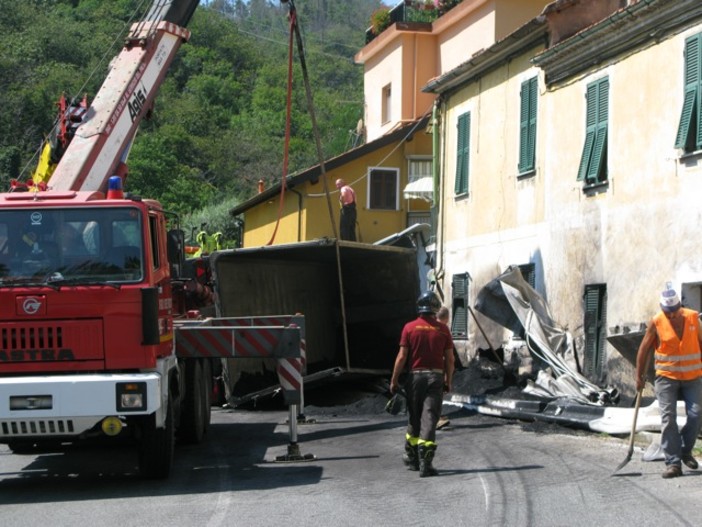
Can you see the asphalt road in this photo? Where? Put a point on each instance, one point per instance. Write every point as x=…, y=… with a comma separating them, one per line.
x=493, y=472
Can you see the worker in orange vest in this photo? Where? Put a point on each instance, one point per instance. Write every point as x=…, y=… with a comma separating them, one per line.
x=675, y=334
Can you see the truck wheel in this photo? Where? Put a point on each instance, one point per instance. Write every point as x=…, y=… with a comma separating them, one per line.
x=157, y=445
x=192, y=421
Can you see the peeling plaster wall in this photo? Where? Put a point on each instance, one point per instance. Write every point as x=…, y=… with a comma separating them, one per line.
x=500, y=222
x=636, y=233
x=642, y=230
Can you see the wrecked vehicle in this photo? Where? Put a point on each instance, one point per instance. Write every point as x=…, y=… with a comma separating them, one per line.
x=355, y=304
x=555, y=391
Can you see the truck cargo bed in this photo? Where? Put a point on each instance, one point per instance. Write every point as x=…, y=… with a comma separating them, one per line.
x=380, y=285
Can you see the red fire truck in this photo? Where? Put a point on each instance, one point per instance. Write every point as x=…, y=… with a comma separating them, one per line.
x=102, y=330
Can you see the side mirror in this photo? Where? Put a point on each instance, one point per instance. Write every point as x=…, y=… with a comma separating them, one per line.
x=176, y=252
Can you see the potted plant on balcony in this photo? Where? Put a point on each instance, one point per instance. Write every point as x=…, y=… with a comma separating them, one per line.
x=447, y=5
x=428, y=5
x=380, y=20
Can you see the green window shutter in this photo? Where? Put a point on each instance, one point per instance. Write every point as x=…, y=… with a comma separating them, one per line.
x=527, y=125
x=595, y=324
x=599, y=149
x=594, y=157
x=462, y=153
x=587, y=151
x=533, y=103
x=590, y=131
x=691, y=104
x=459, y=305
x=696, y=73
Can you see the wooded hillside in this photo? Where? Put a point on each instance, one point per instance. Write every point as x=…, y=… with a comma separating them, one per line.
x=219, y=120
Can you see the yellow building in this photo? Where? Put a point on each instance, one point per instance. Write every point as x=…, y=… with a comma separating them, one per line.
x=378, y=171
x=391, y=174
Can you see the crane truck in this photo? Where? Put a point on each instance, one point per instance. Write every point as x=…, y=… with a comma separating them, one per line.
x=103, y=331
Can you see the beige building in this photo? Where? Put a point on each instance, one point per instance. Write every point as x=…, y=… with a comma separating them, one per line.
x=579, y=159
x=492, y=210
x=407, y=55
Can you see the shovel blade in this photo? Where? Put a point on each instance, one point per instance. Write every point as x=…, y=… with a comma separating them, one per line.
x=623, y=463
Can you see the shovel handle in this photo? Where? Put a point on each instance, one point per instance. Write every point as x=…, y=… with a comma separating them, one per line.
x=633, y=424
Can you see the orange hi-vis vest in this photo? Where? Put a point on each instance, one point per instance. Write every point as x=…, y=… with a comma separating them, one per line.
x=678, y=359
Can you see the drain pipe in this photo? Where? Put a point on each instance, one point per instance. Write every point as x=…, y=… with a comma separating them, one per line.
x=299, y=212
x=438, y=213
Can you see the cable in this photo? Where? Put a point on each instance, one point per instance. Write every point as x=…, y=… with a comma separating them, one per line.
x=288, y=112
x=380, y=163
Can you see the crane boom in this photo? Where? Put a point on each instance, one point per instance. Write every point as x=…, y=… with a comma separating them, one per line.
x=100, y=146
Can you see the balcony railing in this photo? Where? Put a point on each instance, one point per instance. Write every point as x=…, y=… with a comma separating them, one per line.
x=407, y=13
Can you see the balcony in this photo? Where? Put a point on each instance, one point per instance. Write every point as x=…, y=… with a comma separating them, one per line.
x=409, y=12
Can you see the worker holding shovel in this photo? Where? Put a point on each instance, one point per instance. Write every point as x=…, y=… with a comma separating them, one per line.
x=675, y=335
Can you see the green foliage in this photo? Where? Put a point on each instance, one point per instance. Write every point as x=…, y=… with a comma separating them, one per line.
x=218, y=122
x=211, y=219
x=380, y=20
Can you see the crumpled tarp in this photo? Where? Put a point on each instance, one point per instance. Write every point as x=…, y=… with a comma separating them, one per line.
x=511, y=302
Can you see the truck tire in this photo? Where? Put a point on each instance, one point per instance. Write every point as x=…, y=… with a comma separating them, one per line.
x=157, y=446
x=191, y=428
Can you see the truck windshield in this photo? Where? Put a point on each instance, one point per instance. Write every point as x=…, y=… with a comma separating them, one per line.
x=70, y=245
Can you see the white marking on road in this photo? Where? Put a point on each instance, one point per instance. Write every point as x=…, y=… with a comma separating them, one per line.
x=485, y=492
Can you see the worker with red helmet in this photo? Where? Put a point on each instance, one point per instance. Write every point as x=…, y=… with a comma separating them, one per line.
x=426, y=347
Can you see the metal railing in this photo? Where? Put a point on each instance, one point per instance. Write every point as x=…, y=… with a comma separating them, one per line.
x=406, y=13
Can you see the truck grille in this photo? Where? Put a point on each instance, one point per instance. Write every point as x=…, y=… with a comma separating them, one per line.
x=22, y=338
x=39, y=427
x=51, y=341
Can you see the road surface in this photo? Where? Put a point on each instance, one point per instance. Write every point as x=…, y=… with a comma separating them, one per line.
x=492, y=472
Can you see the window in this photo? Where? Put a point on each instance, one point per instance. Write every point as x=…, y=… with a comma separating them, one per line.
x=419, y=168
x=593, y=163
x=386, y=104
x=462, y=153
x=595, y=326
x=689, y=136
x=527, y=125
x=383, y=183
x=76, y=244
x=459, y=305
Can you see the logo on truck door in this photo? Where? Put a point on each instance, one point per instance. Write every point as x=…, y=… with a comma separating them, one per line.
x=31, y=305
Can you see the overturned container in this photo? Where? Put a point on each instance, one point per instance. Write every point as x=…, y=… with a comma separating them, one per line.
x=355, y=301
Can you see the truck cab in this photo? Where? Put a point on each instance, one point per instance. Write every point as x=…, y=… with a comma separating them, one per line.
x=86, y=317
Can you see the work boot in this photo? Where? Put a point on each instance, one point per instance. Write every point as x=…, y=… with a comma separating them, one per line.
x=411, y=457
x=672, y=471
x=443, y=422
x=426, y=456
x=690, y=462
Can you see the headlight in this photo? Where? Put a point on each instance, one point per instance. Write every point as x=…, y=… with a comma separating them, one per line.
x=131, y=396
